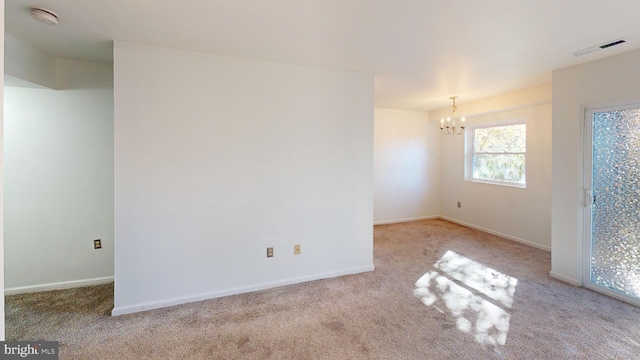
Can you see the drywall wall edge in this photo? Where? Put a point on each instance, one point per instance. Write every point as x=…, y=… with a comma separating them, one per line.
x=58, y=285
x=395, y=221
x=497, y=233
x=122, y=310
x=563, y=278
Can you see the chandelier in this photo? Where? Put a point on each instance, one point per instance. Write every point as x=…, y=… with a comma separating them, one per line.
x=450, y=127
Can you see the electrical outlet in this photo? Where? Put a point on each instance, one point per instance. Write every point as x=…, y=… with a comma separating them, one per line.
x=459, y=204
x=296, y=249
x=269, y=252
x=97, y=244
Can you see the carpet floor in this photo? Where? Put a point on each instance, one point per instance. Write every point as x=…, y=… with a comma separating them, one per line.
x=439, y=291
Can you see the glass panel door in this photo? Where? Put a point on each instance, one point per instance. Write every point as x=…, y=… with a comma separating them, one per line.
x=612, y=200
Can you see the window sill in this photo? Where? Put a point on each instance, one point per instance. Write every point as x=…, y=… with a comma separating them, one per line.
x=497, y=182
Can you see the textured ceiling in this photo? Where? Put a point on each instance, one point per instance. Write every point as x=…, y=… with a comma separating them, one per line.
x=421, y=52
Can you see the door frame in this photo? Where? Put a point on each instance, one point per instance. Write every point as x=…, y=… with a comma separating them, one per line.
x=586, y=196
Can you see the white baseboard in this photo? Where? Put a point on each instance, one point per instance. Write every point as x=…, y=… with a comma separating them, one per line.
x=394, y=221
x=58, y=285
x=122, y=310
x=566, y=279
x=497, y=233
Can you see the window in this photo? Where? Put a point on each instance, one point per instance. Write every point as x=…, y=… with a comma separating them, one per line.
x=496, y=153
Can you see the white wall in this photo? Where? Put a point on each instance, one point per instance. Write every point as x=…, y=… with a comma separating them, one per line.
x=520, y=214
x=59, y=180
x=26, y=65
x=405, y=170
x=610, y=79
x=2, y=337
x=218, y=158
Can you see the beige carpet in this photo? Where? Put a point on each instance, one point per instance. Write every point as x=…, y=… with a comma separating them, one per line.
x=483, y=297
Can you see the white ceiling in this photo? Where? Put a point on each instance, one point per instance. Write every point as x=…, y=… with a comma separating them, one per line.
x=420, y=51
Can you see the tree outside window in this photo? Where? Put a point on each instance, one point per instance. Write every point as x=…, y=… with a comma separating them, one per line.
x=498, y=154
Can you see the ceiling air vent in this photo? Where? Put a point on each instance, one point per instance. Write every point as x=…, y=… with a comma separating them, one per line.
x=606, y=45
x=617, y=42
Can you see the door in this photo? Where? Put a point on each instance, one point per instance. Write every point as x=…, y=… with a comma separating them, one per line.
x=612, y=201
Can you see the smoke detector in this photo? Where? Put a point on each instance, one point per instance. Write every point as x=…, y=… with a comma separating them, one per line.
x=46, y=16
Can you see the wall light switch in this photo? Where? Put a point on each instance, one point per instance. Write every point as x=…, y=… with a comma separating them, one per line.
x=296, y=249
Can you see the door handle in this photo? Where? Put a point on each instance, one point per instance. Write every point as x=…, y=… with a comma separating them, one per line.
x=589, y=199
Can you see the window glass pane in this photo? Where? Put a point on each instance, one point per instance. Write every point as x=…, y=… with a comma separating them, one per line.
x=501, y=167
x=511, y=138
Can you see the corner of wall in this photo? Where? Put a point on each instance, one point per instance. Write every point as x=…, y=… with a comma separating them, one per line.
x=59, y=197
x=519, y=214
x=406, y=143
x=29, y=64
x=609, y=79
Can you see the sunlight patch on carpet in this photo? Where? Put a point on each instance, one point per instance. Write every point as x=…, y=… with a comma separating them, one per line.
x=490, y=282
x=478, y=299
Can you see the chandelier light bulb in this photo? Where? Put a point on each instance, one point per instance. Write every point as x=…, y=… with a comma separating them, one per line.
x=450, y=127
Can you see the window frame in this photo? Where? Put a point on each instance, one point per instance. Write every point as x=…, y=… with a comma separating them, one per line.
x=469, y=142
